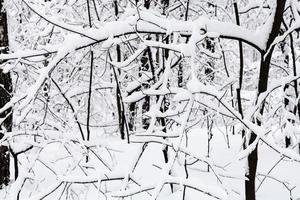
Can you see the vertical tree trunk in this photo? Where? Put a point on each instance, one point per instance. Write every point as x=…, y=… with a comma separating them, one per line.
x=238, y=90
x=120, y=105
x=131, y=116
x=121, y=111
x=146, y=66
x=5, y=95
x=262, y=87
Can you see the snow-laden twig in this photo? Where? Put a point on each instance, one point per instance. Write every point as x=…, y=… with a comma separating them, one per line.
x=196, y=184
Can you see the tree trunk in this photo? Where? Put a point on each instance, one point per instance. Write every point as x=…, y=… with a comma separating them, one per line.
x=146, y=63
x=5, y=96
x=262, y=87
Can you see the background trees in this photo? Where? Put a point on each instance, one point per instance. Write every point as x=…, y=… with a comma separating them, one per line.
x=187, y=90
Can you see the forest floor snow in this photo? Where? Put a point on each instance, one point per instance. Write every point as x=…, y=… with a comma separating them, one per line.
x=223, y=152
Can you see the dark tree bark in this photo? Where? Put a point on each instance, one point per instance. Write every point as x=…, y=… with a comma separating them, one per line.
x=289, y=107
x=120, y=104
x=238, y=90
x=121, y=111
x=262, y=87
x=146, y=62
x=132, y=107
x=5, y=96
x=147, y=4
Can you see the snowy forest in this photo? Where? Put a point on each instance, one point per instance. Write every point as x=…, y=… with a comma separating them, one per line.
x=149, y=99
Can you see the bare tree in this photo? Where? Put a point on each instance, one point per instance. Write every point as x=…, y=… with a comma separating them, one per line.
x=5, y=96
x=262, y=87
